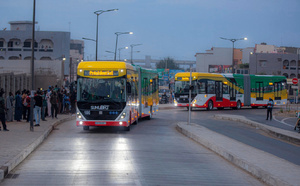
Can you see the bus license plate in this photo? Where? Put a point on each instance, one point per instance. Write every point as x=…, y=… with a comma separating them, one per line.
x=100, y=112
x=100, y=123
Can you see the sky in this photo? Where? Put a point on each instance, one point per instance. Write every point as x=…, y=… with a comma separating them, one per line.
x=166, y=28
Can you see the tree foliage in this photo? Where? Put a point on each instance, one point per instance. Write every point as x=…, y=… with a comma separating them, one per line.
x=167, y=63
x=245, y=65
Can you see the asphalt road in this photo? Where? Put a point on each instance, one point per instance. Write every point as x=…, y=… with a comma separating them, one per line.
x=242, y=132
x=152, y=153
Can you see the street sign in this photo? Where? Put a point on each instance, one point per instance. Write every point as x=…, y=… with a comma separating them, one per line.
x=295, y=81
x=294, y=87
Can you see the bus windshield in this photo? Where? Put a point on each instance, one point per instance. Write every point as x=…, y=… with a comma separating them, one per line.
x=182, y=87
x=101, y=90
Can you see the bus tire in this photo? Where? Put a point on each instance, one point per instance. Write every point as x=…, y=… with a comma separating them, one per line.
x=238, y=105
x=210, y=105
x=86, y=127
x=136, y=121
x=127, y=128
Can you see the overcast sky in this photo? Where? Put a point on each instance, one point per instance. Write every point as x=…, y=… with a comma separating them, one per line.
x=165, y=28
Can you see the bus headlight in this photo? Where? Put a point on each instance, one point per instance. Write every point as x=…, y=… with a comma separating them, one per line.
x=78, y=115
x=123, y=115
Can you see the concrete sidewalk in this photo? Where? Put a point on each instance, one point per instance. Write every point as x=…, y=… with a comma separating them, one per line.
x=17, y=143
x=268, y=168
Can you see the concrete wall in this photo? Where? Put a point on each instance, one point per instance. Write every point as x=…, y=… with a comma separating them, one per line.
x=46, y=72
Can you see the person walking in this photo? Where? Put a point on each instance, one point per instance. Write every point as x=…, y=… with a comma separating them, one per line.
x=2, y=111
x=269, y=108
x=10, y=107
x=37, y=107
x=18, y=106
x=53, y=100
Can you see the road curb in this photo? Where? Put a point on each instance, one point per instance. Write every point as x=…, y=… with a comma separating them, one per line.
x=247, y=164
x=4, y=170
x=289, y=136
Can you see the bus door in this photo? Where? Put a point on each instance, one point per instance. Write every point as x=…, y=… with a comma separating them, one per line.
x=219, y=90
x=277, y=91
x=232, y=93
x=259, y=91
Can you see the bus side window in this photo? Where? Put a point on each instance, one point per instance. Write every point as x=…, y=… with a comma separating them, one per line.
x=210, y=87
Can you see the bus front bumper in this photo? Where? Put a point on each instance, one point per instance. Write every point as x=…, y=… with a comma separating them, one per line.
x=102, y=123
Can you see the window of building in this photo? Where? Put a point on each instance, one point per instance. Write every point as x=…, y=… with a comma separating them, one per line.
x=2, y=58
x=1, y=43
x=45, y=58
x=292, y=75
x=286, y=75
x=263, y=63
x=286, y=64
x=14, y=58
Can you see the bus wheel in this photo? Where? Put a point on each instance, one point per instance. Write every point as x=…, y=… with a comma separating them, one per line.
x=238, y=105
x=136, y=121
x=127, y=128
x=210, y=105
x=86, y=127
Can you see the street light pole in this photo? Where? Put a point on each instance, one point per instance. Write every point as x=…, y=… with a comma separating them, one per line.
x=32, y=69
x=117, y=35
x=133, y=45
x=99, y=12
x=233, y=40
x=120, y=52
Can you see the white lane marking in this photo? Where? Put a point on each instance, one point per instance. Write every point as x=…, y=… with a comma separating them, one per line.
x=282, y=121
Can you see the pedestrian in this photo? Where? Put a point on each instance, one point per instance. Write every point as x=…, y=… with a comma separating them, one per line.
x=48, y=95
x=10, y=107
x=269, y=108
x=66, y=103
x=2, y=111
x=18, y=106
x=53, y=101
x=37, y=107
x=24, y=104
x=73, y=101
x=44, y=106
x=27, y=103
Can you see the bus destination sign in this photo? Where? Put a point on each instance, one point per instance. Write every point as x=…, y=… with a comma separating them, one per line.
x=101, y=73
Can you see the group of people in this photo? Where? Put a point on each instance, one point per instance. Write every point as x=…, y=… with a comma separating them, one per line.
x=46, y=103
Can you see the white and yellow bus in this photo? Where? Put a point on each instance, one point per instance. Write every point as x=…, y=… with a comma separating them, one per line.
x=111, y=93
x=212, y=90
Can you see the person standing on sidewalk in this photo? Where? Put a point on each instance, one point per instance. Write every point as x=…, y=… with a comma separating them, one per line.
x=37, y=107
x=44, y=106
x=53, y=100
x=10, y=107
x=27, y=103
x=2, y=111
x=269, y=108
x=18, y=106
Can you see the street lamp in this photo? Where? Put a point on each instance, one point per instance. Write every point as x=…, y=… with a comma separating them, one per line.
x=120, y=52
x=233, y=40
x=98, y=12
x=110, y=52
x=133, y=45
x=117, y=35
x=91, y=40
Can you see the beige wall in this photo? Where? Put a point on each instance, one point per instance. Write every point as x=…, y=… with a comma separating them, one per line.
x=47, y=72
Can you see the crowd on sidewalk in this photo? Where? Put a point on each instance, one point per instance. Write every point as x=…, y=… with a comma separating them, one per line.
x=46, y=103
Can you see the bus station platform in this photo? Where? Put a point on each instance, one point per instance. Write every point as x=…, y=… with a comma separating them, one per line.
x=17, y=143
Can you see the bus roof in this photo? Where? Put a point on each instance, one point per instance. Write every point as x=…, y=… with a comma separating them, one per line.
x=104, y=65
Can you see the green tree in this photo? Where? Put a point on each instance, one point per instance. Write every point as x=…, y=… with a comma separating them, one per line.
x=167, y=63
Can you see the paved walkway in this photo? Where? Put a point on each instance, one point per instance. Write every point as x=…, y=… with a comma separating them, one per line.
x=17, y=143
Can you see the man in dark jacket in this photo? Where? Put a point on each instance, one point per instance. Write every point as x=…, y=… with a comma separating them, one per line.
x=2, y=111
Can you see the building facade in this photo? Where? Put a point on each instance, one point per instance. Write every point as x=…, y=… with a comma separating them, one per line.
x=15, y=44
